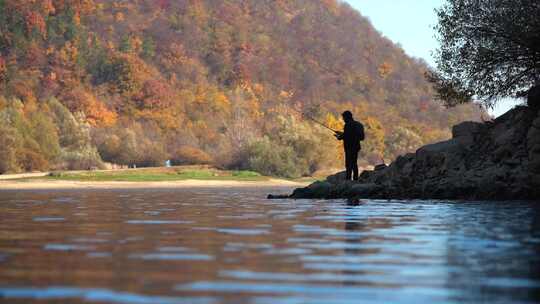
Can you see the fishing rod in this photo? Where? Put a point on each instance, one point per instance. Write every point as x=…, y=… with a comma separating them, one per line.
x=314, y=120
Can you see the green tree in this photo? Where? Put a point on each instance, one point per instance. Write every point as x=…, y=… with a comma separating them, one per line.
x=9, y=145
x=489, y=49
x=45, y=134
x=125, y=44
x=148, y=47
x=270, y=158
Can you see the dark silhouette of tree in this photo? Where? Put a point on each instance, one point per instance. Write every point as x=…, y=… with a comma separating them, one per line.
x=490, y=49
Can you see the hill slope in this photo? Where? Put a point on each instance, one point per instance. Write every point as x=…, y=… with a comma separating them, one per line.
x=195, y=81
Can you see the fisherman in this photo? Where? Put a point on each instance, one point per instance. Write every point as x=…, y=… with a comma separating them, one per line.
x=352, y=134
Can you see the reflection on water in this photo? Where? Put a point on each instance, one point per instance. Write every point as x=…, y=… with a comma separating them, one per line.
x=234, y=246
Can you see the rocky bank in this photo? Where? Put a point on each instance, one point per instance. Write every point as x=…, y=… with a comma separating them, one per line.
x=496, y=160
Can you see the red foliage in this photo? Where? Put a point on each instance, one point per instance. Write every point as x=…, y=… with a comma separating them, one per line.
x=154, y=94
x=34, y=20
x=163, y=4
x=35, y=57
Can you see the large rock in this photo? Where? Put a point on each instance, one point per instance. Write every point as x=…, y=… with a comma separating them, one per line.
x=533, y=97
x=533, y=144
x=449, y=146
x=499, y=160
x=363, y=190
x=467, y=128
x=337, y=178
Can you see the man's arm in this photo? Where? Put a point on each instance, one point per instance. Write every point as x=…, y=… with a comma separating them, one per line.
x=338, y=135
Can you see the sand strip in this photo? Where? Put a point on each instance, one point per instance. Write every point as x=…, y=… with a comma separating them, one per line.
x=61, y=184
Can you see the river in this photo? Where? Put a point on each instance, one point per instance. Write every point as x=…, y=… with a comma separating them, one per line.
x=216, y=245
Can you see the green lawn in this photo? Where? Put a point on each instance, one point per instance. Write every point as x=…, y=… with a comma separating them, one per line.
x=157, y=174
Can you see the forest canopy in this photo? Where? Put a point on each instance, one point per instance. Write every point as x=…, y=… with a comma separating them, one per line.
x=489, y=50
x=89, y=82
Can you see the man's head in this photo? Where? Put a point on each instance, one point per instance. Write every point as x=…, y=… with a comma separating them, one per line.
x=347, y=116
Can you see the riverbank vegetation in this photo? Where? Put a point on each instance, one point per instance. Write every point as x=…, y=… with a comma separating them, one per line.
x=83, y=83
x=157, y=174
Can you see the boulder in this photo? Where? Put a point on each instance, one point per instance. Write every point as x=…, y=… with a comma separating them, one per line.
x=534, y=163
x=337, y=178
x=533, y=136
x=533, y=144
x=467, y=128
x=533, y=97
x=448, y=146
x=380, y=167
x=320, y=189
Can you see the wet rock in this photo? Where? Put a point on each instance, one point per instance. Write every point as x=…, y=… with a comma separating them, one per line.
x=363, y=190
x=320, y=189
x=278, y=196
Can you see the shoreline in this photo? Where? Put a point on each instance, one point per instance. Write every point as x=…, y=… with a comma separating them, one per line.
x=39, y=184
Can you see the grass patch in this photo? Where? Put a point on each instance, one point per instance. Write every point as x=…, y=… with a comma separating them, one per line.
x=157, y=174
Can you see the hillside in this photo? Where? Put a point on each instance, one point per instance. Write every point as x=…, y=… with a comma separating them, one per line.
x=195, y=81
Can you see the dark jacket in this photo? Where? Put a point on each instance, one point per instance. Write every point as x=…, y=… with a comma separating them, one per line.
x=353, y=133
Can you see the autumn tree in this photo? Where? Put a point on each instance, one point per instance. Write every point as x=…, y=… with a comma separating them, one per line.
x=489, y=50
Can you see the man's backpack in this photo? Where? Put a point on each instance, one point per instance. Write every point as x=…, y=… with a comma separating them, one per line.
x=360, y=130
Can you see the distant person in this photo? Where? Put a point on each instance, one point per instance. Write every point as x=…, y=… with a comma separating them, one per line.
x=352, y=134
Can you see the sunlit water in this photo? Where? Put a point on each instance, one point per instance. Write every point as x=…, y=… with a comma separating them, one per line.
x=234, y=246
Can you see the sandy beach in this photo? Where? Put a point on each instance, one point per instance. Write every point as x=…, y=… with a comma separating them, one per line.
x=37, y=184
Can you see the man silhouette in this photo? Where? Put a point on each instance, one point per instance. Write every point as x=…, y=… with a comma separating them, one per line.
x=352, y=134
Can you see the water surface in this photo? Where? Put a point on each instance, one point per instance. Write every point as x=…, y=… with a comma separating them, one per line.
x=234, y=246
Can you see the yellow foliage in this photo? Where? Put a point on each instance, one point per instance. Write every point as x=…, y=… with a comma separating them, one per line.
x=119, y=17
x=385, y=69
x=68, y=54
x=333, y=122
x=258, y=88
x=222, y=103
x=374, y=142
x=136, y=43
x=77, y=18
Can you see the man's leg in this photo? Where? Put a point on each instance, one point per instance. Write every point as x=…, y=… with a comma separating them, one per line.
x=354, y=157
x=348, y=165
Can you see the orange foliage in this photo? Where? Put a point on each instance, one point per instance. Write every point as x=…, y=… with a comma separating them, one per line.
x=48, y=7
x=67, y=56
x=23, y=90
x=78, y=100
x=78, y=6
x=3, y=68
x=187, y=155
x=119, y=17
x=33, y=161
x=385, y=69
x=332, y=6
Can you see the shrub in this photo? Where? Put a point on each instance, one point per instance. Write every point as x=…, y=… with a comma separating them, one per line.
x=9, y=143
x=33, y=161
x=187, y=155
x=83, y=159
x=272, y=159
